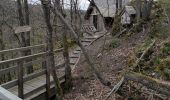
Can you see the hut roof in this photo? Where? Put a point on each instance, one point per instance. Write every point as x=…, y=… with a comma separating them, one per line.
x=106, y=7
x=130, y=10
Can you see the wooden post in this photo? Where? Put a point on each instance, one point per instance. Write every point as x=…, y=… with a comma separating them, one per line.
x=44, y=66
x=20, y=80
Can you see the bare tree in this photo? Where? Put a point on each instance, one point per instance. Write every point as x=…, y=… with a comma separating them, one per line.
x=147, y=9
x=20, y=64
x=51, y=62
x=27, y=38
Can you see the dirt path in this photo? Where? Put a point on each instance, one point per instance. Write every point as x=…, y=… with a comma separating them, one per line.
x=109, y=62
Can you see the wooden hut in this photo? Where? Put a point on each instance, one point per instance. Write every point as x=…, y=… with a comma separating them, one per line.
x=107, y=9
x=128, y=15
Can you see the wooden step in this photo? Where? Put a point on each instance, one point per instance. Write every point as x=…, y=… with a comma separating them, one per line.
x=86, y=40
x=73, y=61
x=91, y=37
x=76, y=52
x=74, y=56
x=85, y=44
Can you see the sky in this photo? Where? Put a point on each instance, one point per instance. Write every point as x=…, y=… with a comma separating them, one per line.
x=83, y=4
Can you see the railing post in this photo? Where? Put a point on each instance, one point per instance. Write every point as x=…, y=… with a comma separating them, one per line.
x=47, y=73
x=20, y=80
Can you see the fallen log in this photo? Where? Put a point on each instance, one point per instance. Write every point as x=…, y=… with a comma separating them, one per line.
x=159, y=86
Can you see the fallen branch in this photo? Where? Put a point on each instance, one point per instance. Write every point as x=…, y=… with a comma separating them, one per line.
x=120, y=33
x=116, y=88
x=159, y=86
x=143, y=54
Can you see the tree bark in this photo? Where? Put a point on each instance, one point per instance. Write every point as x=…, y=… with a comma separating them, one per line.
x=51, y=62
x=20, y=64
x=27, y=38
x=71, y=12
x=138, y=10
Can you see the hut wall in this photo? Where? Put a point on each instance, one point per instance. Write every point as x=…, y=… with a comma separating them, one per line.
x=100, y=23
x=125, y=19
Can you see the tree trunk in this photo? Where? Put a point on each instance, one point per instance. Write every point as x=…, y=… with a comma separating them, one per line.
x=27, y=39
x=20, y=64
x=51, y=62
x=138, y=10
x=71, y=12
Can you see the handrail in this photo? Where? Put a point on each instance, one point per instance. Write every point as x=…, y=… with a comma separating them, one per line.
x=27, y=64
x=27, y=57
x=22, y=48
x=6, y=95
x=28, y=77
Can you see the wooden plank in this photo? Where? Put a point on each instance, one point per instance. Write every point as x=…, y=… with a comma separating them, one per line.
x=14, y=90
x=73, y=60
x=22, y=49
x=41, y=90
x=28, y=87
x=73, y=56
x=6, y=95
x=76, y=52
x=22, y=29
x=26, y=78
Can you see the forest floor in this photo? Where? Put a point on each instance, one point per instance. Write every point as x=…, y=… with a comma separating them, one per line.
x=109, y=61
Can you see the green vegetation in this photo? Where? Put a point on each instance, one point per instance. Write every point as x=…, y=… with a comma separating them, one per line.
x=114, y=43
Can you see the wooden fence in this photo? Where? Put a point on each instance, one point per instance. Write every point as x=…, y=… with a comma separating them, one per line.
x=20, y=64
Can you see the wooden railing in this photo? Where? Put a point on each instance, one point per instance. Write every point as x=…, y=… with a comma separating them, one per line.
x=20, y=65
x=88, y=29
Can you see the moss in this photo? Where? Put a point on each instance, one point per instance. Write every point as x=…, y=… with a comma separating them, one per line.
x=114, y=43
x=165, y=49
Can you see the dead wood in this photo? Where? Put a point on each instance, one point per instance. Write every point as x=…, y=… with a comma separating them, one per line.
x=159, y=86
